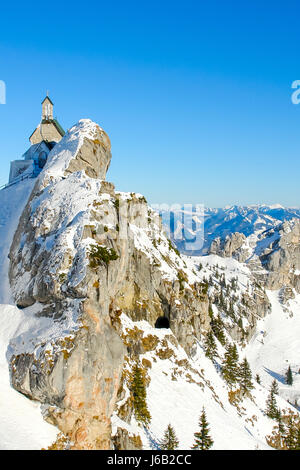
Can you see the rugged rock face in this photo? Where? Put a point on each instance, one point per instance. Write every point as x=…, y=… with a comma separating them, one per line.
x=221, y=222
x=82, y=255
x=273, y=255
x=230, y=247
x=282, y=257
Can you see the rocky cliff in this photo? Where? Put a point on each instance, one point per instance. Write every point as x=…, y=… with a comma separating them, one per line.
x=273, y=255
x=99, y=290
x=82, y=255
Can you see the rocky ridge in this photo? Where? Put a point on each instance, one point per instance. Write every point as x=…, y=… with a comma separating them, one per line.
x=94, y=275
x=83, y=254
x=272, y=256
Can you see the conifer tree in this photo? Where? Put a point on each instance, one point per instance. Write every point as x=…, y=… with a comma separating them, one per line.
x=257, y=378
x=297, y=439
x=286, y=435
x=274, y=387
x=203, y=441
x=245, y=376
x=271, y=405
x=289, y=376
x=210, y=346
x=230, y=365
x=138, y=390
x=281, y=429
x=169, y=441
x=291, y=433
x=217, y=327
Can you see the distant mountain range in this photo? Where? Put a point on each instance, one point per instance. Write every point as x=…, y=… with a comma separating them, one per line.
x=186, y=225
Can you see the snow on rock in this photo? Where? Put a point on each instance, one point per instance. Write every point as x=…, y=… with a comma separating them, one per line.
x=68, y=155
x=12, y=203
x=86, y=318
x=22, y=423
x=180, y=386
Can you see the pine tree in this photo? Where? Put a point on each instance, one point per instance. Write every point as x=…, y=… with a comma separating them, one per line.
x=138, y=390
x=230, y=365
x=169, y=441
x=203, y=441
x=217, y=327
x=210, y=346
x=281, y=429
x=286, y=435
x=245, y=376
x=274, y=387
x=289, y=376
x=257, y=378
x=297, y=440
x=271, y=404
x=291, y=433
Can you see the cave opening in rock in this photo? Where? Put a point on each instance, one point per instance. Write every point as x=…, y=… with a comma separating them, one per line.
x=162, y=322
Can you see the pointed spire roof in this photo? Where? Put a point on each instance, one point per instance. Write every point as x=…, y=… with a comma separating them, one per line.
x=47, y=98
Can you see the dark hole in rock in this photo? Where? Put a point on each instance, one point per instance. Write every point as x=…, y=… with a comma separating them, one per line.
x=162, y=322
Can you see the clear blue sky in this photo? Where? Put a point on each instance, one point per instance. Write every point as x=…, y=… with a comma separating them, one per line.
x=195, y=95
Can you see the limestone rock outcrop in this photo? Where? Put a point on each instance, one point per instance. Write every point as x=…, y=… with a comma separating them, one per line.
x=282, y=257
x=83, y=254
x=230, y=247
x=273, y=255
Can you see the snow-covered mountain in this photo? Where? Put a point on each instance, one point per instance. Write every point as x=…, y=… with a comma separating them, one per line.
x=218, y=223
x=95, y=297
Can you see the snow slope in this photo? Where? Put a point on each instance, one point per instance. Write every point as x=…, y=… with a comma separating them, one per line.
x=179, y=387
x=12, y=202
x=22, y=424
x=276, y=345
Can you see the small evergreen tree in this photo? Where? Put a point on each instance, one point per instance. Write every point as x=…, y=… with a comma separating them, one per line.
x=169, y=441
x=203, y=441
x=274, y=387
x=289, y=376
x=286, y=435
x=245, y=376
x=217, y=327
x=210, y=346
x=280, y=423
x=297, y=439
x=271, y=405
x=138, y=390
x=291, y=433
x=257, y=378
x=230, y=368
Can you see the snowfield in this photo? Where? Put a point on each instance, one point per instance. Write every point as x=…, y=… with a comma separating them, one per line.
x=22, y=423
x=12, y=202
x=177, y=393
x=276, y=346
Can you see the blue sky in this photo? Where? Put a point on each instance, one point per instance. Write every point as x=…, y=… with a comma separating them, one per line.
x=195, y=95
